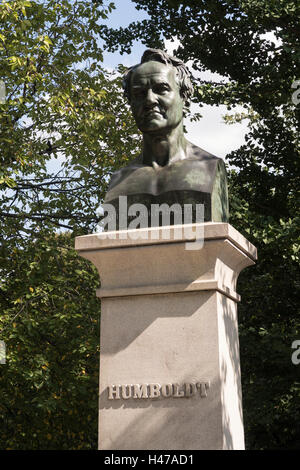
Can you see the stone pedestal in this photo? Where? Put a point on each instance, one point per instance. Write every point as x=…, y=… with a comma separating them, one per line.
x=169, y=362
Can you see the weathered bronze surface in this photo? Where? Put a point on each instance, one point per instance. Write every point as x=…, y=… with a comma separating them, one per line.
x=170, y=169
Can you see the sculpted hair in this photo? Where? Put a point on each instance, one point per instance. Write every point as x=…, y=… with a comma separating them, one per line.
x=182, y=72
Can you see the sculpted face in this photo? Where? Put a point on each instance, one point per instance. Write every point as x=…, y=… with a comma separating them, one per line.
x=156, y=103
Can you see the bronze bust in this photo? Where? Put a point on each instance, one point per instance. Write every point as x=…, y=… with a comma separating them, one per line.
x=170, y=169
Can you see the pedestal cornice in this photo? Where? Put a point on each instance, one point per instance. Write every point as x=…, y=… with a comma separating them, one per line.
x=156, y=260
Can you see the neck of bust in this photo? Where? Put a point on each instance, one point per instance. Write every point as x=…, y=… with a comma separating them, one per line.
x=164, y=148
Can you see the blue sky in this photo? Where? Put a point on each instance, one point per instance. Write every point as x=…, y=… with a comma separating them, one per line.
x=124, y=14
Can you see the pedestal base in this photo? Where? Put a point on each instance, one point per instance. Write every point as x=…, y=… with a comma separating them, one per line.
x=169, y=364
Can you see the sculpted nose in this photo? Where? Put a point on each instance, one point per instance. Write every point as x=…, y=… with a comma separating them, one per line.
x=150, y=97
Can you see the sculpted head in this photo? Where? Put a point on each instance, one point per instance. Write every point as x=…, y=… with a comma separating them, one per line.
x=157, y=90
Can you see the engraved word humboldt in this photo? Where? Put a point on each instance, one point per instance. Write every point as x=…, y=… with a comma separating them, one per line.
x=155, y=390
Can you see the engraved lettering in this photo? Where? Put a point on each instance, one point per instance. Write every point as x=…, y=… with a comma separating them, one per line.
x=190, y=389
x=203, y=387
x=114, y=392
x=167, y=390
x=126, y=391
x=154, y=390
x=140, y=391
x=177, y=394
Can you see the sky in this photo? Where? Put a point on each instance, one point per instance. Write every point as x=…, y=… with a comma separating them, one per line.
x=210, y=133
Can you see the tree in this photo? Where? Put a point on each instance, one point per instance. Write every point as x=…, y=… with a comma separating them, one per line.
x=230, y=37
x=64, y=127
x=50, y=322
x=61, y=105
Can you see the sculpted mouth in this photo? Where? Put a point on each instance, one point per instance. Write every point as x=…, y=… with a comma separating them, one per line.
x=153, y=112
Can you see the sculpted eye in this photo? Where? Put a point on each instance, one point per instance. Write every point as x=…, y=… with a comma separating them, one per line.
x=138, y=91
x=161, y=88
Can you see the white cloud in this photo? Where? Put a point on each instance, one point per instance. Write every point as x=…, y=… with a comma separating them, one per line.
x=211, y=133
x=271, y=37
